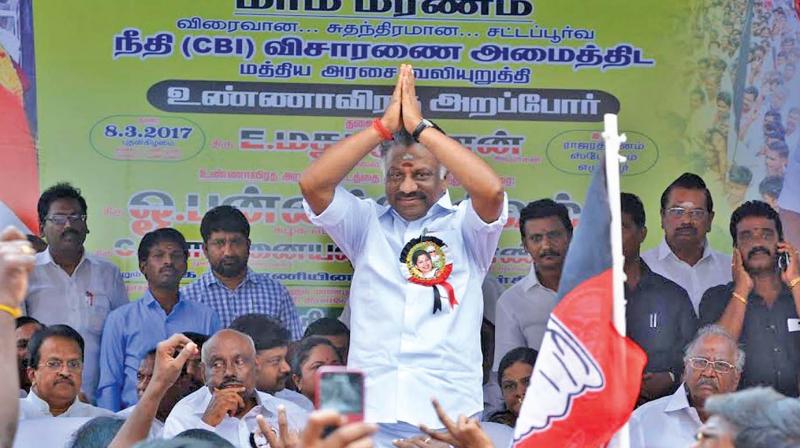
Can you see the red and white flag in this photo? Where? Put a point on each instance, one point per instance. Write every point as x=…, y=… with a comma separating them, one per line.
x=587, y=376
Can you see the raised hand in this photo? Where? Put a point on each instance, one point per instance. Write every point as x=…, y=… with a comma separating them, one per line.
x=224, y=402
x=792, y=271
x=742, y=282
x=347, y=435
x=412, y=114
x=464, y=433
x=16, y=263
x=392, y=115
x=168, y=365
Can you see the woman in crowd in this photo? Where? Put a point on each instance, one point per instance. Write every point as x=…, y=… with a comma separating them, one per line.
x=308, y=356
x=514, y=375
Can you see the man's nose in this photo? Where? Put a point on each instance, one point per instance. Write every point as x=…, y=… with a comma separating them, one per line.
x=408, y=185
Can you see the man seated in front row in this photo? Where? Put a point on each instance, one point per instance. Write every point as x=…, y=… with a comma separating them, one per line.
x=229, y=403
x=272, y=343
x=55, y=367
x=714, y=365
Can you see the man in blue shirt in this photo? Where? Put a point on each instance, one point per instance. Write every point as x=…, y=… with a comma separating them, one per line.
x=132, y=330
x=230, y=287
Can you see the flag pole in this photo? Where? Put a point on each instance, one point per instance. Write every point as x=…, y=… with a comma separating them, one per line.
x=612, y=160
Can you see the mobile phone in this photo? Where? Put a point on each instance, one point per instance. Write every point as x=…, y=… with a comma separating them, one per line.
x=783, y=261
x=340, y=389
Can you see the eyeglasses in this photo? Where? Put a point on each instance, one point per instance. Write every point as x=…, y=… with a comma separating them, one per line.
x=57, y=364
x=718, y=366
x=60, y=220
x=679, y=212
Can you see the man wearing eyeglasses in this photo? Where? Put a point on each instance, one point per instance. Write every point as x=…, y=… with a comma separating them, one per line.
x=685, y=256
x=230, y=287
x=760, y=306
x=55, y=367
x=712, y=365
x=68, y=285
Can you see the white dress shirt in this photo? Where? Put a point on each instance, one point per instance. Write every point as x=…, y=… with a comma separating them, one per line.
x=296, y=398
x=714, y=268
x=522, y=314
x=407, y=352
x=82, y=301
x=667, y=422
x=188, y=414
x=34, y=407
x=156, y=428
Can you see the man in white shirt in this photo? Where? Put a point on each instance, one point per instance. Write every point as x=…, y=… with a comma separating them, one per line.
x=55, y=367
x=684, y=256
x=524, y=309
x=713, y=365
x=69, y=286
x=271, y=340
x=230, y=403
x=414, y=337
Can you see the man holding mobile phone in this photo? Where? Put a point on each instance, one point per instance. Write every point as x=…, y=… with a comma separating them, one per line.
x=760, y=307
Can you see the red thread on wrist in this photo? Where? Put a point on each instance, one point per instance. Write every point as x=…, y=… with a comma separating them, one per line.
x=384, y=133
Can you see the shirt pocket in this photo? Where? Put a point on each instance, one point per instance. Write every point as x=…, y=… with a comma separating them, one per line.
x=98, y=305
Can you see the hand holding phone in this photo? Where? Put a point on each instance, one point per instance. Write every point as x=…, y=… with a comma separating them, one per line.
x=342, y=390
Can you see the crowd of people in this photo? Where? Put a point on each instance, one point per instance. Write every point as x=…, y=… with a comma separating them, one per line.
x=224, y=361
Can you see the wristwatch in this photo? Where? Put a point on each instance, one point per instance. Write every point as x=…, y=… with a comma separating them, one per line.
x=424, y=124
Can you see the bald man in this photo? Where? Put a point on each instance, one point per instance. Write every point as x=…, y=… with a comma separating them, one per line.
x=229, y=403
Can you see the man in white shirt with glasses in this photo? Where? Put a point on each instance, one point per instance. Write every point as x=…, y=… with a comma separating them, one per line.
x=68, y=285
x=684, y=256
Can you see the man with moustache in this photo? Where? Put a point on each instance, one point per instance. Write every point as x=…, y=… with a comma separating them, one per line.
x=26, y=327
x=230, y=287
x=685, y=256
x=68, y=285
x=713, y=365
x=54, y=367
x=134, y=329
x=229, y=404
x=413, y=337
x=272, y=343
x=760, y=306
x=523, y=310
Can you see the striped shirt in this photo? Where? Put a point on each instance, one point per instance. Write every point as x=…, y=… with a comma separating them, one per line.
x=256, y=294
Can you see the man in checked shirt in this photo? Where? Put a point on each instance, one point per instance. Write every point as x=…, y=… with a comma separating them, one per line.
x=230, y=287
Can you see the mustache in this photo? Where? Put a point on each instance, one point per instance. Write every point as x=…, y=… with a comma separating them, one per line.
x=415, y=195
x=758, y=249
x=549, y=253
x=687, y=227
x=230, y=382
x=70, y=231
x=64, y=380
x=705, y=381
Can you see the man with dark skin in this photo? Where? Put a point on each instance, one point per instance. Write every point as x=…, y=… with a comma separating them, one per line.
x=229, y=403
x=418, y=159
x=26, y=327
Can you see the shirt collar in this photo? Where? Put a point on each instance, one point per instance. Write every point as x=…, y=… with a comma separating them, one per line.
x=530, y=281
x=148, y=299
x=44, y=407
x=664, y=250
x=444, y=203
x=44, y=257
x=679, y=400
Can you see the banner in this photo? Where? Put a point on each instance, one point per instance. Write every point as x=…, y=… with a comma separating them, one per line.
x=159, y=110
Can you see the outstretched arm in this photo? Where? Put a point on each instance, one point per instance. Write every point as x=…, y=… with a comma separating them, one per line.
x=16, y=262
x=319, y=180
x=481, y=182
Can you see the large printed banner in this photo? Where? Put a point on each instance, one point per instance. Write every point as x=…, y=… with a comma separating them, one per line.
x=159, y=110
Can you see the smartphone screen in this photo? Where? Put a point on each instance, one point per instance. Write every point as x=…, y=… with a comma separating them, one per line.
x=342, y=390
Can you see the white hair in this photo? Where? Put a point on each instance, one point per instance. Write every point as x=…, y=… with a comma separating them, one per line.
x=715, y=330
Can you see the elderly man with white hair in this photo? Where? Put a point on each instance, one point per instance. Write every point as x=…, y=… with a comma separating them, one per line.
x=713, y=364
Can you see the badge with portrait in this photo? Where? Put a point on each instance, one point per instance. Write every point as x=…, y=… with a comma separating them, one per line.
x=424, y=261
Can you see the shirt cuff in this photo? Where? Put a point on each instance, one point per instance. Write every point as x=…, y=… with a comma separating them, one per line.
x=336, y=210
x=475, y=223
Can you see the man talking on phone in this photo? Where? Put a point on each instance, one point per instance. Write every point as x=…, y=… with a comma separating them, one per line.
x=415, y=326
x=760, y=306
